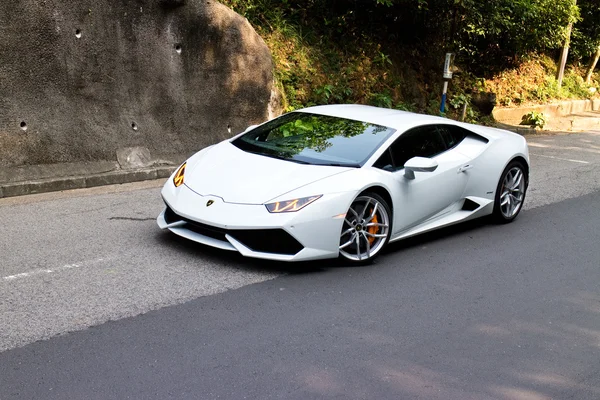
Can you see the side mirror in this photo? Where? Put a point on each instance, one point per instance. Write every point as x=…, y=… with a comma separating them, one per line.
x=250, y=128
x=419, y=164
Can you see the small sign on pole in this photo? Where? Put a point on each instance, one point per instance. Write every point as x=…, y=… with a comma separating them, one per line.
x=448, y=68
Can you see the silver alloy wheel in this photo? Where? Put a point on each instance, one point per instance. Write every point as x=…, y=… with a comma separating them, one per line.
x=512, y=192
x=365, y=229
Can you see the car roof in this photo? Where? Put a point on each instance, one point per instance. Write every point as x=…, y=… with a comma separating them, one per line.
x=399, y=120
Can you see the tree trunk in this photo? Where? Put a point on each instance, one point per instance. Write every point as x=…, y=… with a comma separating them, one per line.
x=588, y=76
x=564, y=54
x=563, y=57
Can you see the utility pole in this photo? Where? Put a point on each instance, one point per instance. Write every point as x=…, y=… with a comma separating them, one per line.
x=564, y=53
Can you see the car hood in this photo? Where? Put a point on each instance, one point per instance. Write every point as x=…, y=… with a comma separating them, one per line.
x=245, y=178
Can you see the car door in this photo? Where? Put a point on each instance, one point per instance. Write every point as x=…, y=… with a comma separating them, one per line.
x=430, y=193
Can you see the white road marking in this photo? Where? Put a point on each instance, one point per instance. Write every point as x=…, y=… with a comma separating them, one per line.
x=537, y=145
x=45, y=271
x=589, y=149
x=562, y=159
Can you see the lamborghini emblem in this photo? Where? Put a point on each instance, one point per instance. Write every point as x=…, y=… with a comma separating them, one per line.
x=209, y=203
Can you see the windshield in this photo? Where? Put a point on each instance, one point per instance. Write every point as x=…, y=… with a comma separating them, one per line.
x=315, y=139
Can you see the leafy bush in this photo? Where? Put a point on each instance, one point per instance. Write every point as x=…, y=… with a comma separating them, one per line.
x=382, y=100
x=533, y=82
x=535, y=119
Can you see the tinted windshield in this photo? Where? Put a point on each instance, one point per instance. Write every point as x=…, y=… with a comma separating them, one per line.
x=315, y=139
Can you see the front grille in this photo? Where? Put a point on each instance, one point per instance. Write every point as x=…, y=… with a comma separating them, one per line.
x=276, y=241
x=206, y=230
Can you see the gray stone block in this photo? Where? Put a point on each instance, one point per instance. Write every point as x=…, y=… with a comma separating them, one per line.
x=134, y=157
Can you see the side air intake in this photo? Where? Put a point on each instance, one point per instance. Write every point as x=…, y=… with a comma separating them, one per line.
x=470, y=205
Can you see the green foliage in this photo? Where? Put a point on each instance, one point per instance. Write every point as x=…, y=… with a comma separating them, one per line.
x=388, y=53
x=324, y=93
x=321, y=54
x=484, y=33
x=586, y=33
x=382, y=59
x=433, y=106
x=459, y=101
x=382, y=100
x=410, y=107
x=520, y=26
x=535, y=119
x=534, y=82
x=576, y=87
x=457, y=104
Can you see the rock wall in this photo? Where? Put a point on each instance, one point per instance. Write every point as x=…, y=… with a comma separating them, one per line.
x=80, y=79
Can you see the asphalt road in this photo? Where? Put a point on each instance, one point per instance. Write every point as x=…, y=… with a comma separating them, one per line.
x=478, y=311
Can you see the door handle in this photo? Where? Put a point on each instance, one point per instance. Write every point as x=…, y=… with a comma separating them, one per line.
x=464, y=168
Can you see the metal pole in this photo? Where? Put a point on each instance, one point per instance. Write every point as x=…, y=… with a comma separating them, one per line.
x=463, y=116
x=444, y=94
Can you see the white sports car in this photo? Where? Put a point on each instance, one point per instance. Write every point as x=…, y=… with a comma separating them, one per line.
x=343, y=180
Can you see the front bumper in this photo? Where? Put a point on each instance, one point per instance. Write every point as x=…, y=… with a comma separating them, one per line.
x=309, y=234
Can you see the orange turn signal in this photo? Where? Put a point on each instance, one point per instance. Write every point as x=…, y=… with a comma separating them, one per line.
x=178, y=179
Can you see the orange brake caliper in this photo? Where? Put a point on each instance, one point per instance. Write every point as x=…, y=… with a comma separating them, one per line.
x=373, y=229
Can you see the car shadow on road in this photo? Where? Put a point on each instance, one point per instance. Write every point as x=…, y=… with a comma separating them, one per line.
x=236, y=260
x=466, y=228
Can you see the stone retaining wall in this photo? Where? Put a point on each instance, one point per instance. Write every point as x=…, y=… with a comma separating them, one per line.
x=83, y=79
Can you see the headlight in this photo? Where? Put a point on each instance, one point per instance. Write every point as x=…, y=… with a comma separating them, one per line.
x=178, y=178
x=291, y=205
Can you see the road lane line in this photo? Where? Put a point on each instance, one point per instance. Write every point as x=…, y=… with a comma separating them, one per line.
x=47, y=271
x=562, y=159
x=530, y=144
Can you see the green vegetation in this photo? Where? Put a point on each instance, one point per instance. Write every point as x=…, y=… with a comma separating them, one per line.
x=533, y=81
x=389, y=53
x=534, y=119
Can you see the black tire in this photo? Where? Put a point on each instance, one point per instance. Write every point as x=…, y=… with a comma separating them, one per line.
x=367, y=247
x=507, y=212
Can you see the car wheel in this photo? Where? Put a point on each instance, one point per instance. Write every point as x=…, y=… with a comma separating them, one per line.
x=366, y=228
x=510, y=193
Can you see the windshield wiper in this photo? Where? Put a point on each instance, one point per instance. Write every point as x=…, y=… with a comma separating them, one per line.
x=340, y=165
x=283, y=158
x=348, y=165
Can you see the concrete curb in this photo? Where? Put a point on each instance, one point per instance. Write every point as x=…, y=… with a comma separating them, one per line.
x=553, y=110
x=80, y=182
x=520, y=129
x=564, y=116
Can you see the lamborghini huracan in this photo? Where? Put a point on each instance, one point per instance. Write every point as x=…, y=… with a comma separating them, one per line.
x=343, y=181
